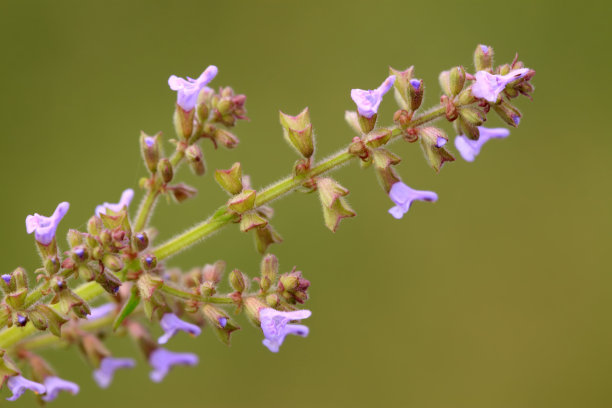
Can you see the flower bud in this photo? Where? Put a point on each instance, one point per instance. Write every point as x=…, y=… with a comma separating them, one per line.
x=220, y=322
x=21, y=278
x=183, y=122
x=293, y=287
x=140, y=241
x=297, y=131
x=508, y=113
x=150, y=149
x=75, y=238
x=483, y=58
x=402, y=85
x=432, y=141
x=165, y=170
x=109, y=281
x=444, y=79
x=38, y=320
x=415, y=93
x=230, y=180
x=252, y=306
x=86, y=272
x=456, y=80
x=273, y=300
x=195, y=158
x=242, y=202
x=213, y=273
x=269, y=267
x=113, y=262
x=148, y=262
x=239, y=281
x=94, y=226
x=203, y=104
x=80, y=253
x=225, y=138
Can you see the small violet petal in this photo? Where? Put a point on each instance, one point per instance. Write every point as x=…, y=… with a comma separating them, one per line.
x=18, y=385
x=55, y=384
x=416, y=84
x=6, y=278
x=124, y=201
x=488, y=86
x=104, y=375
x=162, y=361
x=403, y=196
x=368, y=101
x=469, y=149
x=171, y=325
x=44, y=227
x=189, y=89
x=275, y=326
x=101, y=311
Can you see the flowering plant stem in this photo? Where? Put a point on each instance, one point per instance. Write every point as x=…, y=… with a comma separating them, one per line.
x=222, y=217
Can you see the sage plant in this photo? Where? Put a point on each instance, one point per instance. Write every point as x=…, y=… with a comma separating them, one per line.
x=114, y=277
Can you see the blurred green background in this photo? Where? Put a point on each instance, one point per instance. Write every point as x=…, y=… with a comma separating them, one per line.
x=497, y=296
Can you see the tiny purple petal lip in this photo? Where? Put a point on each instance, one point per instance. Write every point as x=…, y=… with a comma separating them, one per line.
x=275, y=327
x=488, y=86
x=44, y=227
x=104, y=375
x=6, y=278
x=101, y=311
x=189, y=89
x=484, y=48
x=21, y=320
x=403, y=197
x=18, y=385
x=124, y=201
x=416, y=84
x=368, y=101
x=223, y=322
x=149, y=141
x=440, y=141
x=516, y=119
x=55, y=384
x=163, y=360
x=171, y=325
x=469, y=149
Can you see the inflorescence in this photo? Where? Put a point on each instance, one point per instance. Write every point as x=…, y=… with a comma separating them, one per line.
x=113, y=264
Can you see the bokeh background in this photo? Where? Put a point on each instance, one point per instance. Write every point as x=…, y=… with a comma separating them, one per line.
x=497, y=296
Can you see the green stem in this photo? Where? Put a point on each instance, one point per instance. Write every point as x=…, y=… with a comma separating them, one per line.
x=171, y=290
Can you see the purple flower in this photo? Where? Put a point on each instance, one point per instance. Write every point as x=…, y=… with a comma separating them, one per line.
x=124, y=201
x=189, y=89
x=489, y=86
x=162, y=361
x=7, y=278
x=171, y=325
x=44, y=227
x=108, y=366
x=369, y=101
x=275, y=327
x=403, y=196
x=55, y=384
x=469, y=149
x=101, y=311
x=18, y=385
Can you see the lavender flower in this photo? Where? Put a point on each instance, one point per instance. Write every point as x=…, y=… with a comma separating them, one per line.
x=469, y=149
x=55, y=384
x=108, y=366
x=18, y=385
x=124, y=201
x=189, y=89
x=162, y=361
x=171, y=325
x=101, y=311
x=275, y=327
x=44, y=227
x=489, y=86
x=369, y=101
x=403, y=196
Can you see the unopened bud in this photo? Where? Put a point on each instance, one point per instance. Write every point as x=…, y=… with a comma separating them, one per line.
x=113, y=262
x=150, y=149
x=109, y=281
x=269, y=267
x=182, y=192
x=415, y=93
x=183, y=122
x=140, y=241
x=165, y=170
x=148, y=261
x=94, y=226
x=297, y=131
x=21, y=278
x=483, y=58
x=402, y=85
x=508, y=113
x=230, y=180
x=252, y=307
x=273, y=300
x=225, y=138
x=195, y=158
x=456, y=80
x=75, y=238
x=239, y=281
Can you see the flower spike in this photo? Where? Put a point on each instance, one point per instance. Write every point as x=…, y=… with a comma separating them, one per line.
x=189, y=89
x=469, y=149
x=275, y=327
x=368, y=101
x=403, y=196
x=44, y=227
